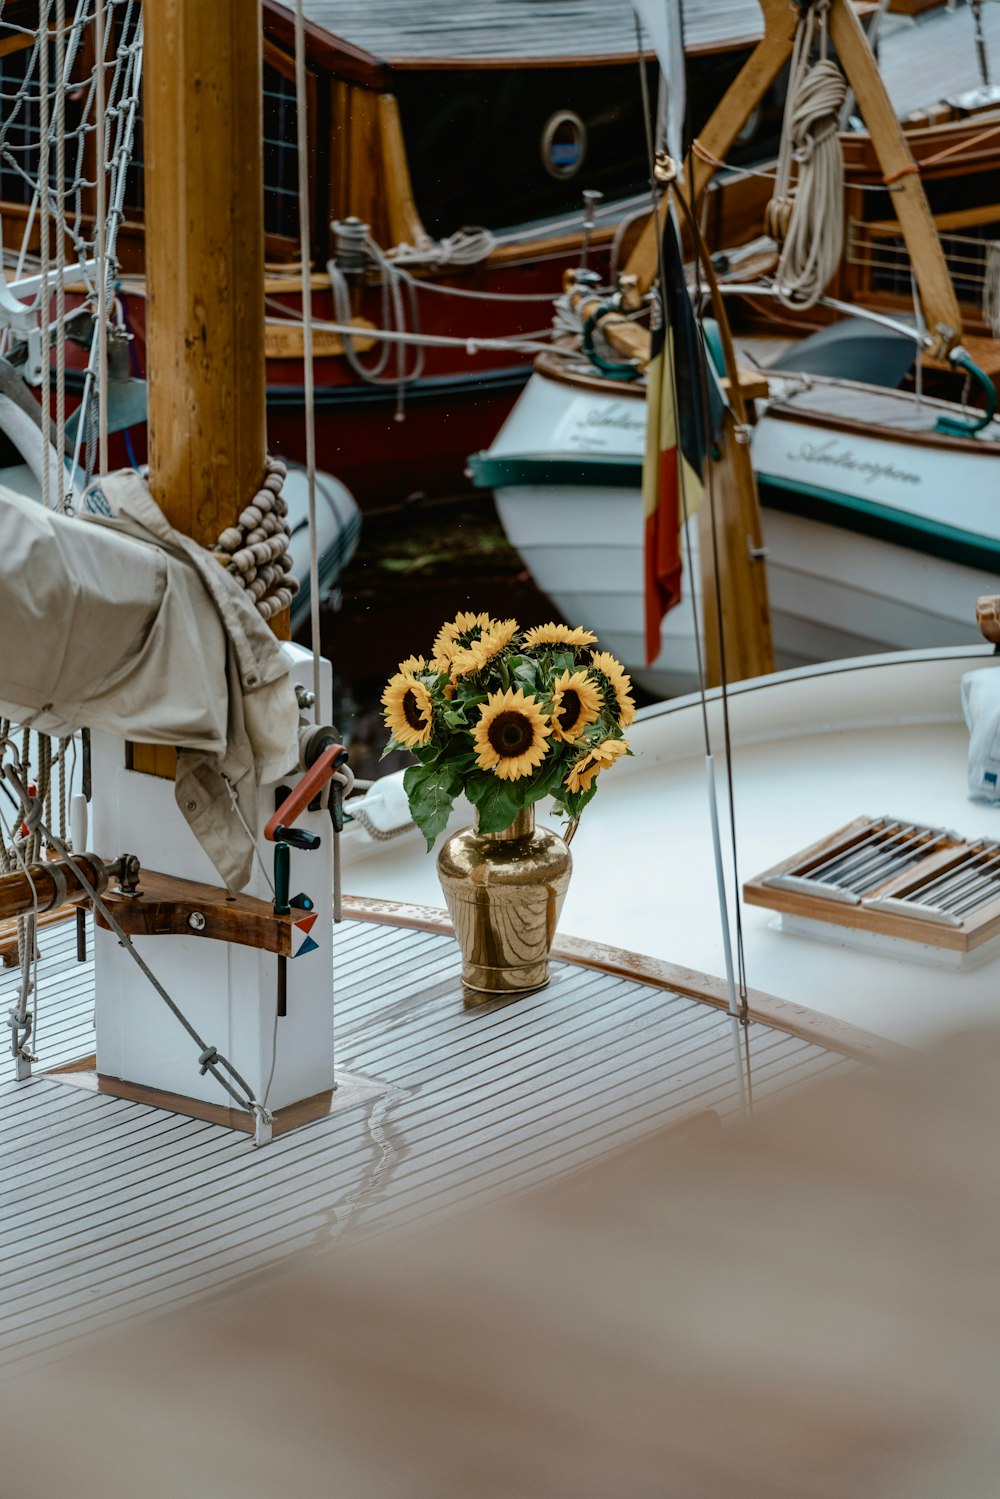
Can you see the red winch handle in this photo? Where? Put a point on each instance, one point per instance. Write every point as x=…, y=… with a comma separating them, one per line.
x=308, y=788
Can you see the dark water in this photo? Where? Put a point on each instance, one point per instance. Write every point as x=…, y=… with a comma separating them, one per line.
x=414, y=569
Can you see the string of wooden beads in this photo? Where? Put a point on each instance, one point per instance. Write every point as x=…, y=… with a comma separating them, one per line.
x=255, y=550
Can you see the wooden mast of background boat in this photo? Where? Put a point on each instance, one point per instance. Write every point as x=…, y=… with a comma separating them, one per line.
x=937, y=293
x=205, y=269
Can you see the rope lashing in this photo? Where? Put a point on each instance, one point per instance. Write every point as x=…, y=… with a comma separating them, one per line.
x=807, y=221
x=991, y=288
x=255, y=550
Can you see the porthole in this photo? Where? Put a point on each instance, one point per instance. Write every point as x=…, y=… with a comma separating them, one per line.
x=564, y=144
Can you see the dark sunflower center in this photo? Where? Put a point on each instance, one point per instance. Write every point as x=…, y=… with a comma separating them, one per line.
x=569, y=710
x=511, y=734
x=411, y=709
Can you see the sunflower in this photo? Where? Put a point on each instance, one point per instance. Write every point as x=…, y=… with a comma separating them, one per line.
x=510, y=737
x=462, y=631
x=615, y=685
x=408, y=710
x=413, y=666
x=597, y=758
x=576, y=703
x=552, y=634
x=478, y=655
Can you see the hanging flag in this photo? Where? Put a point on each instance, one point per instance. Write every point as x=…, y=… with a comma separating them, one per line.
x=679, y=430
x=663, y=23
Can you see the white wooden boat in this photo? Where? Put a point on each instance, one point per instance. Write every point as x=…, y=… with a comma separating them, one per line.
x=880, y=532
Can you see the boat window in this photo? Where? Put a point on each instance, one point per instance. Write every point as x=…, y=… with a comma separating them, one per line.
x=281, y=215
x=281, y=157
x=20, y=125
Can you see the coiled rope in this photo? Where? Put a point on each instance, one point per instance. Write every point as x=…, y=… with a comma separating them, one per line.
x=255, y=550
x=469, y=246
x=807, y=221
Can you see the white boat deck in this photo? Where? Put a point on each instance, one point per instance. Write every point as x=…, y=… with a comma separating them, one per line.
x=115, y=1210
x=812, y=750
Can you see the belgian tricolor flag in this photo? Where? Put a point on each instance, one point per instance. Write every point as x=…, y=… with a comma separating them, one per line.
x=683, y=412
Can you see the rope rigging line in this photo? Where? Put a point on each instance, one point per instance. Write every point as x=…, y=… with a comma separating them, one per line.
x=210, y=1059
x=738, y=1009
x=67, y=132
x=807, y=220
x=309, y=369
x=528, y=344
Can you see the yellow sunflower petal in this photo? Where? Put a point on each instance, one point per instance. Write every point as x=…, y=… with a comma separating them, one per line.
x=481, y=652
x=576, y=702
x=619, y=685
x=408, y=710
x=590, y=765
x=553, y=634
x=412, y=666
x=510, y=736
x=458, y=633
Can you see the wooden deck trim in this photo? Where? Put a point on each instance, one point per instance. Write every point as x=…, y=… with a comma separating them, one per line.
x=793, y=1019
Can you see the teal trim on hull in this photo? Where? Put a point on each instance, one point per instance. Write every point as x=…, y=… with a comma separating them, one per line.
x=847, y=512
x=868, y=518
x=589, y=471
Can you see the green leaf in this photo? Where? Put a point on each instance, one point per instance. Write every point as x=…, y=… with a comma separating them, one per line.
x=575, y=801
x=524, y=674
x=498, y=802
x=431, y=792
x=550, y=774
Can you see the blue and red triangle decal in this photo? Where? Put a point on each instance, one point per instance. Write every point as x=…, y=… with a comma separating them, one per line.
x=301, y=940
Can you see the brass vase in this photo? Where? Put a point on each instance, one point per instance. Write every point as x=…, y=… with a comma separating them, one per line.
x=504, y=892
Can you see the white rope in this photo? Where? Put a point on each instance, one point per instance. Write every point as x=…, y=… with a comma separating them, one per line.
x=809, y=219
x=101, y=152
x=43, y=198
x=529, y=344
x=470, y=246
x=305, y=255
x=63, y=158
x=60, y=231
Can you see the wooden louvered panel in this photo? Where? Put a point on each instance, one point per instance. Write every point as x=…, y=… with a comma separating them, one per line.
x=894, y=879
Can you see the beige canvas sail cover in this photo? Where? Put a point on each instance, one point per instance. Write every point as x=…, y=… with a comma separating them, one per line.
x=112, y=620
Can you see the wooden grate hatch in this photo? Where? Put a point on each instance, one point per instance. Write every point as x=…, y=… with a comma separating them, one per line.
x=894, y=878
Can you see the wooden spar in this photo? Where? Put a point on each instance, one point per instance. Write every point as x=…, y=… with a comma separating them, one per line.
x=43, y=887
x=204, y=259
x=940, y=304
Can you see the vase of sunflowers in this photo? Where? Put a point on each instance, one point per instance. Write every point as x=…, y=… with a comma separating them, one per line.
x=507, y=716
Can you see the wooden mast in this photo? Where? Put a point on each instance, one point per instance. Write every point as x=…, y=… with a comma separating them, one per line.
x=204, y=259
x=202, y=85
